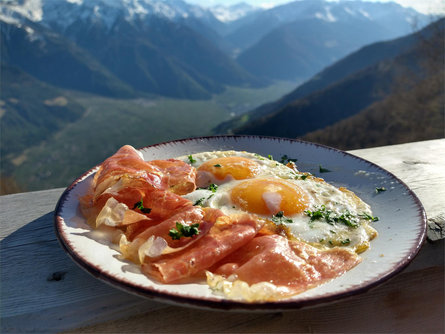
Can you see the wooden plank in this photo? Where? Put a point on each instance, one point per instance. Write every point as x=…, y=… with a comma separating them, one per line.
x=392, y=307
x=61, y=294
x=18, y=210
x=421, y=165
x=43, y=290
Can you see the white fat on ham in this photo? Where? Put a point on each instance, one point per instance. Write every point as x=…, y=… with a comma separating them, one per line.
x=153, y=247
x=115, y=213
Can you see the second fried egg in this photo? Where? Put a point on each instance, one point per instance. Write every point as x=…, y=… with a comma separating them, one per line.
x=309, y=208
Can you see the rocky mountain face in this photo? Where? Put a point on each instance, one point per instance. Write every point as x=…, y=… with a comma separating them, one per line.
x=172, y=48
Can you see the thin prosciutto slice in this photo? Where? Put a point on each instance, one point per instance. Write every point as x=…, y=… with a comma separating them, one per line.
x=179, y=176
x=291, y=264
x=163, y=205
x=127, y=161
x=204, y=217
x=228, y=234
x=173, y=175
x=126, y=177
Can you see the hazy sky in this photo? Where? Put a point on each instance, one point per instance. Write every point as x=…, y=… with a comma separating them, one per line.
x=422, y=6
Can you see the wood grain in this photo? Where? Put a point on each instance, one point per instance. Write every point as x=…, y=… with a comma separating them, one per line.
x=387, y=308
x=421, y=165
x=43, y=290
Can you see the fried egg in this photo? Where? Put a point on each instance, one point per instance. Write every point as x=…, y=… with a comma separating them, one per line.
x=305, y=207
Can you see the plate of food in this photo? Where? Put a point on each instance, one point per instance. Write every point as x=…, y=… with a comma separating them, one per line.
x=240, y=223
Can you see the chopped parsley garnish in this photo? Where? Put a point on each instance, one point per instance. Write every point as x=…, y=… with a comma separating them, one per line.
x=327, y=215
x=270, y=157
x=200, y=201
x=285, y=159
x=323, y=170
x=368, y=217
x=346, y=219
x=184, y=231
x=280, y=218
x=217, y=165
x=346, y=241
x=191, y=160
x=380, y=189
x=259, y=157
x=302, y=177
x=140, y=205
x=212, y=187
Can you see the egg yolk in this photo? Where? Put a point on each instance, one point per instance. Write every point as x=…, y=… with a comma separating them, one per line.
x=238, y=167
x=269, y=196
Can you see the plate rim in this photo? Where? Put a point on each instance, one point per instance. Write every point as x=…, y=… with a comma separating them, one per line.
x=233, y=305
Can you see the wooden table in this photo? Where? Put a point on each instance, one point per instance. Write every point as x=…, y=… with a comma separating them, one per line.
x=43, y=290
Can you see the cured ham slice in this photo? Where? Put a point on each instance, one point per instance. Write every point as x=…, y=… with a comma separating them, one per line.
x=163, y=205
x=289, y=265
x=126, y=162
x=178, y=176
x=127, y=178
x=228, y=234
x=171, y=174
x=203, y=218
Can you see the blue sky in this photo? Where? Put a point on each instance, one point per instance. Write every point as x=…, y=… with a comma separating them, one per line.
x=423, y=6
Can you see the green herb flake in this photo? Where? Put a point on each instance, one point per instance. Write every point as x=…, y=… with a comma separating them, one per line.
x=346, y=219
x=280, y=218
x=270, y=157
x=323, y=214
x=346, y=241
x=259, y=157
x=380, y=189
x=200, y=201
x=212, y=187
x=368, y=217
x=184, y=231
x=191, y=160
x=285, y=159
x=323, y=170
x=217, y=166
x=140, y=205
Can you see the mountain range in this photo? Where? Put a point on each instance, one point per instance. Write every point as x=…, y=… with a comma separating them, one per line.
x=79, y=78
x=172, y=48
x=354, y=88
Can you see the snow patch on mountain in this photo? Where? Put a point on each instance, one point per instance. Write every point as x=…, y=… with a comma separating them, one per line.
x=30, y=9
x=63, y=13
x=234, y=12
x=326, y=16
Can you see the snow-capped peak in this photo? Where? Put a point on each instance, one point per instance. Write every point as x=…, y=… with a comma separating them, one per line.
x=62, y=13
x=232, y=13
x=30, y=9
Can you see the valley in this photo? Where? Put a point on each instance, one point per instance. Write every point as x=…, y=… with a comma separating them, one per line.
x=109, y=123
x=82, y=78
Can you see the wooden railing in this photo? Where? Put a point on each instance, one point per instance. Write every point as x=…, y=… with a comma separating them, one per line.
x=43, y=290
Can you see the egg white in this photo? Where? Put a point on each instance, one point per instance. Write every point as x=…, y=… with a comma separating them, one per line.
x=320, y=194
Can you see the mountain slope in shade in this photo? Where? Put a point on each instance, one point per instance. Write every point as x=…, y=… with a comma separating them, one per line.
x=367, y=56
x=53, y=59
x=139, y=51
x=403, y=117
x=31, y=112
x=302, y=48
x=349, y=96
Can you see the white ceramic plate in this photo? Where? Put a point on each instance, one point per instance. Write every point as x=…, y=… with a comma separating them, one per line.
x=401, y=227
